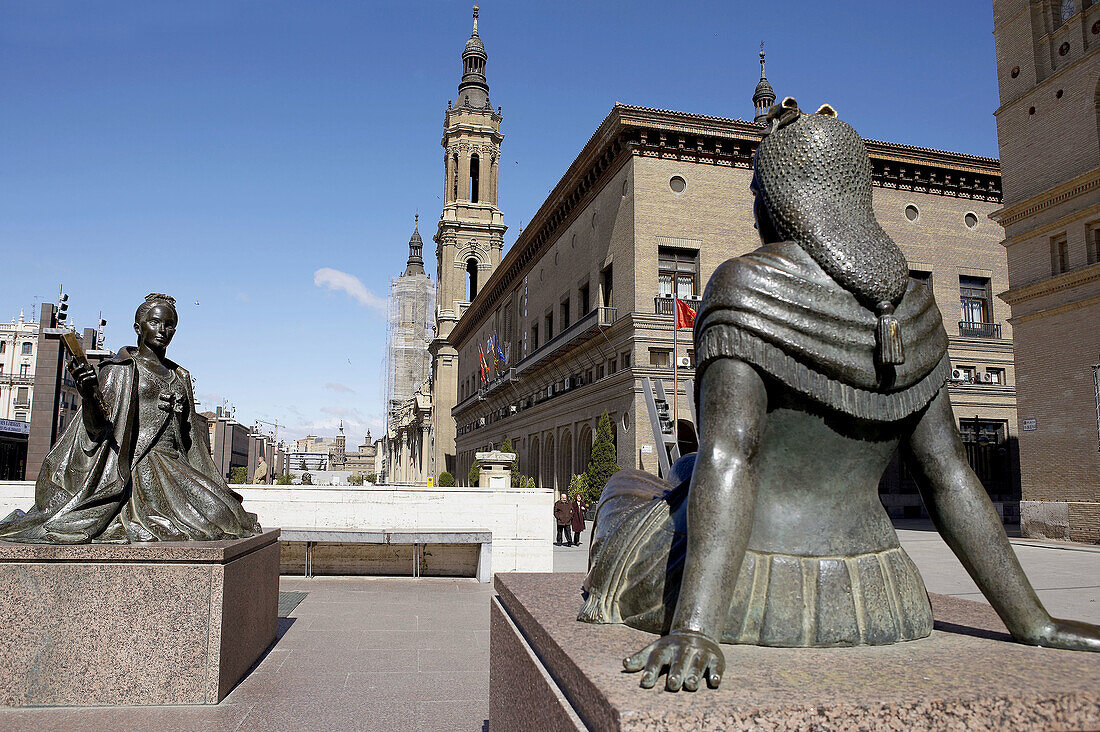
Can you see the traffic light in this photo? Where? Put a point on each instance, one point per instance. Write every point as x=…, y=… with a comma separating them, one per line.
x=62, y=308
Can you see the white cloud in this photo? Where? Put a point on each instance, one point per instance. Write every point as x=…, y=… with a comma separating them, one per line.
x=334, y=279
x=338, y=387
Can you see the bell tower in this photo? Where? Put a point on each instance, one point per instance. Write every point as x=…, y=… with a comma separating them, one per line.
x=470, y=234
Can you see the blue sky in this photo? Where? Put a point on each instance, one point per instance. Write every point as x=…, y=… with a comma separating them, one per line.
x=225, y=151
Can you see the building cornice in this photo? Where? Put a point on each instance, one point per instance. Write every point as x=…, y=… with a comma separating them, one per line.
x=1038, y=203
x=1065, y=281
x=646, y=132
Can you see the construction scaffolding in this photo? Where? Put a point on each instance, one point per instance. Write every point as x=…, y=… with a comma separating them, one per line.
x=409, y=332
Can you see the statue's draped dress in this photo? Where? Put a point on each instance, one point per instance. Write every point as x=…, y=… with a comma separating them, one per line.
x=814, y=345
x=150, y=477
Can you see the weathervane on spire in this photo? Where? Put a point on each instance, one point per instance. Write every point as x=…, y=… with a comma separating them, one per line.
x=475, y=19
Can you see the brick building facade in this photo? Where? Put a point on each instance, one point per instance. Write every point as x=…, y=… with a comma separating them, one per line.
x=1048, y=127
x=581, y=303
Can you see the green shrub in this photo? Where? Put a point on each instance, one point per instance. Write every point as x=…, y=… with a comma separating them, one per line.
x=603, y=464
x=446, y=480
x=284, y=479
x=355, y=479
x=238, y=474
x=475, y=473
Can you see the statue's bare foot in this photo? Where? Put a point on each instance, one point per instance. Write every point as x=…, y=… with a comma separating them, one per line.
x=689, y=657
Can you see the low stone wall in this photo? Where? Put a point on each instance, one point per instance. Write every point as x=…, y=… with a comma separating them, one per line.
x=521, y=519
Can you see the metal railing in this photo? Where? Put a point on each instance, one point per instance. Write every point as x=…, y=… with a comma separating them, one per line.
x=666, y=304
x=979, y=330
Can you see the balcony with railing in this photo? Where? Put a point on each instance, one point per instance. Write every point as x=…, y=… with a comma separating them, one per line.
x=666, y=304
x=970, y=329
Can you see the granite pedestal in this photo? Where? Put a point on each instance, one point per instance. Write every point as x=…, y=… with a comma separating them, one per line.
x=134, y=624
x=550, y=672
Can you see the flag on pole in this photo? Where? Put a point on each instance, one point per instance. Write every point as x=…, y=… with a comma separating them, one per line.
x=685, y=315
x=484, y=366
x=498, y=351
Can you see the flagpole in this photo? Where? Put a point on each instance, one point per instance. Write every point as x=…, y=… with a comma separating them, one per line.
x=675, y=367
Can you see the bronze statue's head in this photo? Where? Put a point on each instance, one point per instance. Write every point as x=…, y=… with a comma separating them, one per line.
x=155, y=321
x=813, y=186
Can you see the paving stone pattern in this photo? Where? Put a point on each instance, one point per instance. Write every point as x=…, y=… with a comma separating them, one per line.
x=357, y=653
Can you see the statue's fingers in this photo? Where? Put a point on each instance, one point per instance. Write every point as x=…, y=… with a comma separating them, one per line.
x=636, y=663
x=716, y=666
x=695, y=672
x=658, y=659
x=682, y=658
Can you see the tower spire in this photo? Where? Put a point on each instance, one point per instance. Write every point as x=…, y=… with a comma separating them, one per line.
x=764, y=96
x=473, y=91
x=415, y=265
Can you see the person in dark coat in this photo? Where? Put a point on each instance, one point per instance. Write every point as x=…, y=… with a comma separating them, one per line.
x=576, y=519
x=563, y=513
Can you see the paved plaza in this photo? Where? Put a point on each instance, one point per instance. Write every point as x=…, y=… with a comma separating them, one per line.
x=359, y=653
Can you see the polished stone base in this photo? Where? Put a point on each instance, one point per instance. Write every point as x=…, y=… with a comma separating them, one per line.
x=134, y=624
x=549, y=671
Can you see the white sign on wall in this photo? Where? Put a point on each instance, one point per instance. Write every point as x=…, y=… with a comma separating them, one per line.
x=1029, y=424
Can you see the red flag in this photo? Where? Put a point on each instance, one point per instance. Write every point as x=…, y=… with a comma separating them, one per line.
x=685, y=315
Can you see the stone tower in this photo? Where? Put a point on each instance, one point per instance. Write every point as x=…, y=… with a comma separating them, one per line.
x=1048, y=57
x=409, y=330
x=470, y=236
x=764, y=96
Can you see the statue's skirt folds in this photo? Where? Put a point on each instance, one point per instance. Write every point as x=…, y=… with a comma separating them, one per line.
x=637, y=560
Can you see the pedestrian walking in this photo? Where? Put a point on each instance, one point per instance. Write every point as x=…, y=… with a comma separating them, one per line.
x=563, y=514
x=576, y=519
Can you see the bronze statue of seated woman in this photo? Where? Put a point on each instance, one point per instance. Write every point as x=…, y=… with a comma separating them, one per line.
x=132, y=467
x=818, y=356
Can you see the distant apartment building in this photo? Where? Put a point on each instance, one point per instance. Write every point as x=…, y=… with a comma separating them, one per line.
x=18, y=349
x=1048, y=127
x=582, y=303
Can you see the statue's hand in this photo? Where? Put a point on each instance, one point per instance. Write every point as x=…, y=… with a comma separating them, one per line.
x=87, y=382
x=1072, y=635
x=688, y=656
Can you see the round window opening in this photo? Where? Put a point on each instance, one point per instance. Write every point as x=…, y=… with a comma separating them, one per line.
x=1063, y=49
x=677, y=184
x=626, y=420
x=593, y=221
x=1058, y=94
x=555, y=259
x=1096, y=28
x=573, y=242
x=1015, y=71
x=1031, y=110
x=971, y=220
x=911, y=212
x=625, y=188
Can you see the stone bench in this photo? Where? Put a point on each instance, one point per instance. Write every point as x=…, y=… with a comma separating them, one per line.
x=415, y=537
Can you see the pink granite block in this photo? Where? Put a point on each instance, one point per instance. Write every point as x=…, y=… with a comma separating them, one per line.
x=967, y=675
x=134, y=624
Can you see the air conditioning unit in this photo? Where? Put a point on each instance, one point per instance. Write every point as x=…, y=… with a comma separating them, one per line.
x=512, y=409
x=550, y=391
x=683, y=361
x=960, y=375
x=987, y=378
x=480, y=421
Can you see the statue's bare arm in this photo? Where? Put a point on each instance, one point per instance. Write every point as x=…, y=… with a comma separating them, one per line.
x=964, y=515
x=721, y=501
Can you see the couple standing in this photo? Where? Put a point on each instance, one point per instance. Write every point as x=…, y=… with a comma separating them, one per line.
x=570, y=516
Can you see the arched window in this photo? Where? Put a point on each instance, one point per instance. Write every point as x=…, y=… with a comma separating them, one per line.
x=454, y=177
x=471, y=279
x=475, y=174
